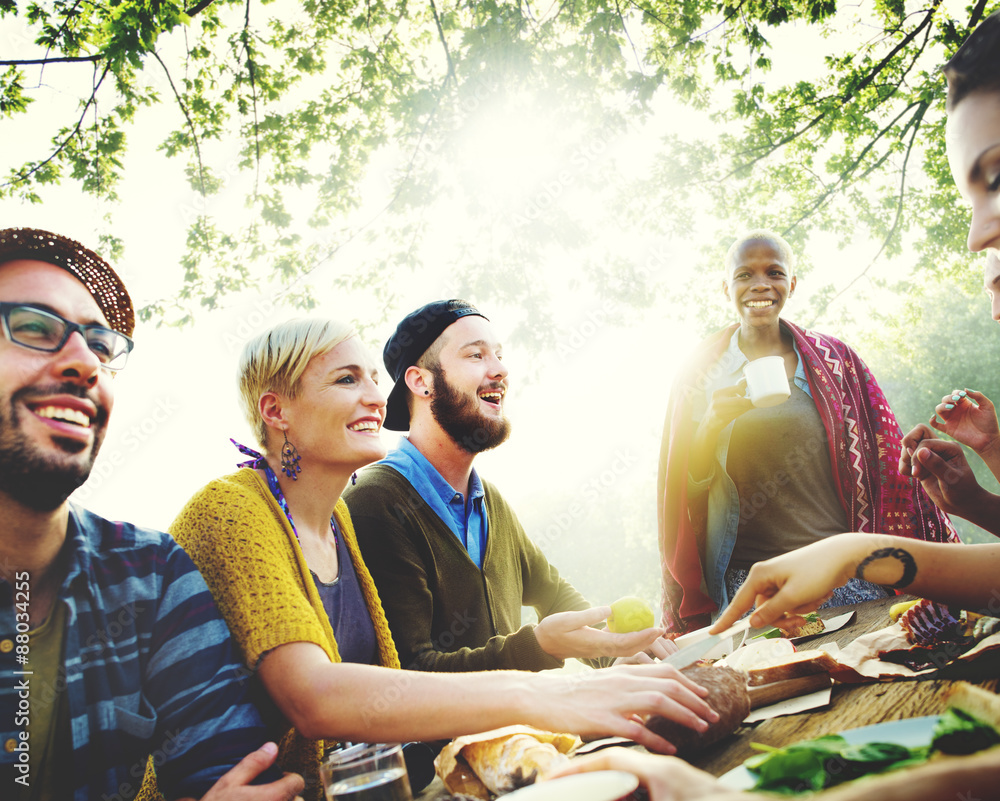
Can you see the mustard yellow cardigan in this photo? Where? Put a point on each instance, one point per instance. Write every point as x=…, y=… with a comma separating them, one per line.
x=244, y=546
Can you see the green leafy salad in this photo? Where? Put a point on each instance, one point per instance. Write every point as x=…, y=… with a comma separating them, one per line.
x=815, y=765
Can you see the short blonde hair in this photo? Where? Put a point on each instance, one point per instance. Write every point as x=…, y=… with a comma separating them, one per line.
x=275, y=360
x=760, y=235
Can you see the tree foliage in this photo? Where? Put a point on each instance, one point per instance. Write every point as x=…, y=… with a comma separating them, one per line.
x=943, y=341
x=314, y=89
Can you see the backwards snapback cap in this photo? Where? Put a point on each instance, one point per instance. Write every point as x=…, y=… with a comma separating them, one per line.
x=413, y=336
x=92, y=271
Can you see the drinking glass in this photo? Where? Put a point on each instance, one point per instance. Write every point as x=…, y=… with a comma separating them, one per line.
x=366, y=772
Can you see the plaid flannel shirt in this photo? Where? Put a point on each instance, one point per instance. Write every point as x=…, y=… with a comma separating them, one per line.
x=148, y=669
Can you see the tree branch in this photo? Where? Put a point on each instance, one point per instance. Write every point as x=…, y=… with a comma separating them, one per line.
x=444, y=43
x=62, y=145
x=892, y=53
x=635, y=52
x=197, y=8
x=190, y=122
x=26, y=62
x=245, y=39
x=845, y=174
x=915, y=122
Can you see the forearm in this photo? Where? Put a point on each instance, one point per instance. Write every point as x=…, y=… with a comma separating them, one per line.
x=983, y=512
x=991, y=456
x=962, y=575
x=361, y=703
x=517, y=651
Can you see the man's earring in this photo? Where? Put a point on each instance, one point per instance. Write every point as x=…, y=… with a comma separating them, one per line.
x=290, y=459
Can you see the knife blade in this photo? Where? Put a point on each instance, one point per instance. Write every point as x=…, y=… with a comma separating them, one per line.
x=700, y=642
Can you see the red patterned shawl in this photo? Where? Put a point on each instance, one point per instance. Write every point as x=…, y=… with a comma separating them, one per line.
x=864, y=442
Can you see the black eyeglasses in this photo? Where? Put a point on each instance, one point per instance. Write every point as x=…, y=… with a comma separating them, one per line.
x=39, y=329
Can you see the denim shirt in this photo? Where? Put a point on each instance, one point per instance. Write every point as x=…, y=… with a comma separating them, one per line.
x=467, y=521
x=723, y=498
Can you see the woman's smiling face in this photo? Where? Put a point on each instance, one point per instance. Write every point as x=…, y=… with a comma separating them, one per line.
x=974, y=154
x=759, y=282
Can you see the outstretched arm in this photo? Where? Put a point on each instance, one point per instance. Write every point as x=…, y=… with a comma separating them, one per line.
x=364, y=703
x=669, y=779
x=786, y=587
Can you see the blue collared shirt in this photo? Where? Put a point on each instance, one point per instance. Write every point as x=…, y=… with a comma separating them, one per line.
x=465, y=519
x=148, y=668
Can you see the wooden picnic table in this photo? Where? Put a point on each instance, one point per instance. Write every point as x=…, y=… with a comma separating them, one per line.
x=851, y=705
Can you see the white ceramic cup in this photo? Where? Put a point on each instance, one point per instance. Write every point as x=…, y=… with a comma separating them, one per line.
x=767, y=384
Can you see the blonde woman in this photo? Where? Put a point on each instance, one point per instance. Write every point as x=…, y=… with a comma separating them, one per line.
x=277, y=549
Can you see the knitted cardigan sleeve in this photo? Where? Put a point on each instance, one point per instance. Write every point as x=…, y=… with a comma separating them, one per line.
x=248, y=555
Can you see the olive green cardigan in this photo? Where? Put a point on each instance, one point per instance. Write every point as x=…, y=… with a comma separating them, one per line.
x=244, y=546
x=446, y=613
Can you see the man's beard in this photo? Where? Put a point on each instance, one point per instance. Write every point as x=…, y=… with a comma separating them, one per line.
x=459, y=416
x=28, y=476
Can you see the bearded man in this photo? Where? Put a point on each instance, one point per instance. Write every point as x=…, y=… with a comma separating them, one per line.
x=452, y=564
x=112, y=653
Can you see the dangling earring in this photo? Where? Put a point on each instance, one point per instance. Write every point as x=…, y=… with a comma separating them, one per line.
x=354, y=479
x=290, y=459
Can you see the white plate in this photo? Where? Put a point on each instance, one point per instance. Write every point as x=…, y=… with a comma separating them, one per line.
x=601, y=785
x=911, y=732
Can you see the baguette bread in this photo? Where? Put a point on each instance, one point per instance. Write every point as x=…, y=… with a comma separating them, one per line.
x=501, y=760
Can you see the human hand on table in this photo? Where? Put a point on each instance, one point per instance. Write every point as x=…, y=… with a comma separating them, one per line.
x=787, y=587
x=968, y=417
x=235, y=785
x=615, y=702
x=572, y=634
x=665, y=778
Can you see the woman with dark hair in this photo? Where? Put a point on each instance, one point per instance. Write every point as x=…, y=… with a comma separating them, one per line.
x=740, y=484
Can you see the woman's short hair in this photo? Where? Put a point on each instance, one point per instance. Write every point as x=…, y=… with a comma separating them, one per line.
x=760, y=235
x=976, y=65
x=275, y=360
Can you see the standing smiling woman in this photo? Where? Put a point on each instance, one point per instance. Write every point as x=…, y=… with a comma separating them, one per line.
x=738, y=484
x=275, y=544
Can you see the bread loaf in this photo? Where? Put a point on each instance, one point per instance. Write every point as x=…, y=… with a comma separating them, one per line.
x=801, y=663
x=976, y=701
x=727, y=695
x=501, y=760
